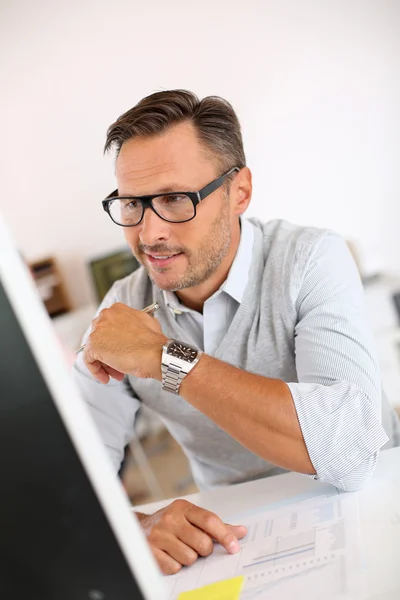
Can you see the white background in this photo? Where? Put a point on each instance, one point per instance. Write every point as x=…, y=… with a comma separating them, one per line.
x=315, y=85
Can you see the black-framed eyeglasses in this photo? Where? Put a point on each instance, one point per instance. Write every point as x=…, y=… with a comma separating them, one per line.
x=174, y=207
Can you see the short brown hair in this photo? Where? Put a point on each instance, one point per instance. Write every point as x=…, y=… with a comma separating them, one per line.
x=214, y=119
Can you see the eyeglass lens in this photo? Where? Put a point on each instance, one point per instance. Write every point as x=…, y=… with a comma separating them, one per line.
x=175, y=208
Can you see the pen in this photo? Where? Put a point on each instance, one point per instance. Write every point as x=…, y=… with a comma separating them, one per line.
x=149, y=310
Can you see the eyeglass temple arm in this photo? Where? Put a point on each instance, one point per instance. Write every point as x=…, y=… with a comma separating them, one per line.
x=211, y=187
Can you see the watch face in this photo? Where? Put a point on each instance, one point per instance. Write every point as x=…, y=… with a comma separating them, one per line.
x=182, y=351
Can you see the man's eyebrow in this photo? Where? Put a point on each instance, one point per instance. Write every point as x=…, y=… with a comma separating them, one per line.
x=163, y=190
x=173, y=188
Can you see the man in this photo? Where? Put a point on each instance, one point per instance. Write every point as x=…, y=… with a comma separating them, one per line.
x=287, y=379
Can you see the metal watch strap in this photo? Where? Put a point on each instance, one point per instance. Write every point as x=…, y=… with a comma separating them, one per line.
x=172, y=376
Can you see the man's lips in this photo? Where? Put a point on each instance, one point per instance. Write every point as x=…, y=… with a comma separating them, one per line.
x=162, y=260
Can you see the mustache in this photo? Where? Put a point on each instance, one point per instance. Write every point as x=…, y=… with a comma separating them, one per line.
x=159, y=249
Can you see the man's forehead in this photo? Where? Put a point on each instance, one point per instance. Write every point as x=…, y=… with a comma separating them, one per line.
x=150, y=181
x=158, y=153
x=169, y=162
x=141, y=170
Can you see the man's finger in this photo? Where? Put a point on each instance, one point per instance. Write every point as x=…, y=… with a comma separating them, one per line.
x=168, y=565
x=240, y=531
x=197, y=539
x=100, y=370
x=176, y=549
x=113, y=373
x=97, y=370
x=215, y=527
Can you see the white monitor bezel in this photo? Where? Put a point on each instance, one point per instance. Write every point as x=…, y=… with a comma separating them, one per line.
x=41, y=337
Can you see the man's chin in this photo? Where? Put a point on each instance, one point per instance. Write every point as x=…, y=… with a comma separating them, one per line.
x=163, y=282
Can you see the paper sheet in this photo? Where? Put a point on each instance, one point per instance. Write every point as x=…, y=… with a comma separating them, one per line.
x=309, y=550
x=320, y=491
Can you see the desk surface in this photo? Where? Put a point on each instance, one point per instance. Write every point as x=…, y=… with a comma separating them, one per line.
x=379, y=514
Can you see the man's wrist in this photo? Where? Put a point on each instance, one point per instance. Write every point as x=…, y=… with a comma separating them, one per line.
x=196, y=375
x=157, y=357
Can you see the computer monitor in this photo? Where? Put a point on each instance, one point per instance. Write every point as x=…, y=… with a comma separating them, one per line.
x=66, y=528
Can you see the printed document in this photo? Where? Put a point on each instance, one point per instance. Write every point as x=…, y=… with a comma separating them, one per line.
x=309, y=550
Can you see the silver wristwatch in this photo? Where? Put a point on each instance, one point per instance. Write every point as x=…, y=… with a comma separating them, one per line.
x=178, y=359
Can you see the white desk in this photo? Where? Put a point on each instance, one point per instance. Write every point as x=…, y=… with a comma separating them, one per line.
x=379, y=513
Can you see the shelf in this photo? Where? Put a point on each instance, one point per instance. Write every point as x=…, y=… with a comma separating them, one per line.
x=50, y=285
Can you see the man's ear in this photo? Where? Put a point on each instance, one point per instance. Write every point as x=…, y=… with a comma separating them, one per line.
x=241, y=190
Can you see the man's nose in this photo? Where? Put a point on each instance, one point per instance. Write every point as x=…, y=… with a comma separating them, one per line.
x=153, y=229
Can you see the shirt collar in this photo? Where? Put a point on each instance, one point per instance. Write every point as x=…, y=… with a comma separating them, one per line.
x=235, y=284
x=238, y=275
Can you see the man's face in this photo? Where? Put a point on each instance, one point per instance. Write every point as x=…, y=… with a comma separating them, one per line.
x=175, y=161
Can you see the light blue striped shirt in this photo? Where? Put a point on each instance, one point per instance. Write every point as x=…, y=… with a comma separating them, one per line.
x=292, y=308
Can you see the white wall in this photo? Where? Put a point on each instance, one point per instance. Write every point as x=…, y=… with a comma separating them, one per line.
x=315, y=84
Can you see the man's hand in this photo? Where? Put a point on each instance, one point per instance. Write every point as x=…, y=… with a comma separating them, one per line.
x=124, y=341
x=181, y=532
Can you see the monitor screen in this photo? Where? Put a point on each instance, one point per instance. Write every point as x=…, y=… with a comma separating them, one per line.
x=55, y=540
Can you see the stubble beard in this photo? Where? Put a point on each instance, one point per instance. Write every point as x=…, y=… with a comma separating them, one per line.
x=204, y=263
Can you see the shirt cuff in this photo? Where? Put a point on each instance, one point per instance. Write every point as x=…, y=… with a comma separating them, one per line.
x=340, y=428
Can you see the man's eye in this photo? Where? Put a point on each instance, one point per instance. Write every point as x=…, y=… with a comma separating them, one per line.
x=172, y=198
x=129, y=204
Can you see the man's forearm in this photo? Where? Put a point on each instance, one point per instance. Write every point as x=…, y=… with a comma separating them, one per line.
x=258, y=412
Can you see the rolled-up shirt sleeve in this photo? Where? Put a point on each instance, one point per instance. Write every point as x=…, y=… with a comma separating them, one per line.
x=338, y=392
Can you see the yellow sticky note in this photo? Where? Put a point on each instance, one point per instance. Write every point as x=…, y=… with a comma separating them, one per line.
x=222, y=590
